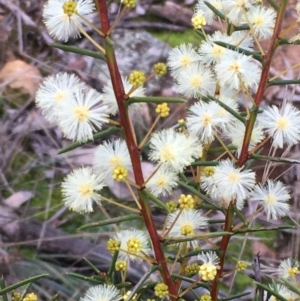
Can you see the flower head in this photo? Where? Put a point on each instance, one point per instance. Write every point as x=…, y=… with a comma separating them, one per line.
x=55, y=91
x=82, y=115
x=282, y=125
x=238, y=71
x=229, y=183
x=273, y=198
x=288, y=268
x=196, y=80
x=262, y=20
x=110, y=100
x=210, y=265
x=206, y=11
x=110, y=157
x=102, y=292
x=162, y=182
x=79, y=189
x=62, y=17
x=235, y=9
x=181, y=57
x=186, y=224
x=172, y=149
x=134, y=243
x=282, y=291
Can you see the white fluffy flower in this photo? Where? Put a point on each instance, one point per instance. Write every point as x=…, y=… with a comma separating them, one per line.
x=282, y=291
x=203, y=120
x=211, y=52
x=186, y=224
x=79, y=189
x=163, y=181
x=236, y=133
x=55, y=91
x=288, y=268
x=110, y=100
x=133, y=243
x=241, y=39
x=273, y=197
x=82, y=115
x=282, y=125
x=238, y=71
x=172, y=149
x=234, y=9
x=109, y=156
x=181, y=57
x=63, y=16
x=229, y=183
x=102, y=292
x=196, y=80
x=262, y=21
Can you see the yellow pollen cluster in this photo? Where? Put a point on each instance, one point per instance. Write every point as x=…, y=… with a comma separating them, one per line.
x=59, y=96
x=129, y=3
x=282, y=123
x=205, y=297
x=235, y=67
x=208, y=271
x=82, y=113
x=187, y=230
x=163, y=109
x=161, y=290
x=16, y=296
x=198, y=21
x=137, y=78
x=218, y=50
x=160, y=69
x=191, y=269
x=292, y=272
x=70, y=8
x=241, y=266
x=134, y=245
x=234, y=177
x=181, y=123
x=259, y=21
x=185, y=61
x=125, y=297
x=196, y=81
x=30, y=297
x=113, y=245
x=209, y=171
x=121, y=265
x=270, y=199
x=120, y=173
x=186, y=202
x=85, y=189
x=172, y=206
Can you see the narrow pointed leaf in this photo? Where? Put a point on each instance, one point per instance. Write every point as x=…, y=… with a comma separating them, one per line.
x=205, y=163
x=254, y=54
x=263, y=229
x=273, y=4
x=212, y=8
x=235, y=296
x=275, y=159
x=220, y=149
x=85, y=278
x=2, y=287
x=123, y=284
x=112, y=264
x=284, y=82
x=91, y=265
x=110, y=131
x=268, y=289
x=21, y=283
x=190, y=280
x=74, y=49
x=114, y=220
x=290, y=285
x=155, y=99
x=157, y=201
x=228, y=109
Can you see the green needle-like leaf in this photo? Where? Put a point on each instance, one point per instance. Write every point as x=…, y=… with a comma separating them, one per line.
x=157, y=201
x=114, y=220
x=99, y=135
x=74, y=49
x=212, y=8
x=205, y=163
x=91, y=265
x=268, y=289
x=237, y=296
x=85, y=278
x=21, y=283
x=284, y=82
x=274, y=159
x=290, y=285
x=2, y=287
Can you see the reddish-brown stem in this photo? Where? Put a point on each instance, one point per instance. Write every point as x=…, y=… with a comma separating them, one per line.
x=223, y=247
x=133, y=149
x=263, y=82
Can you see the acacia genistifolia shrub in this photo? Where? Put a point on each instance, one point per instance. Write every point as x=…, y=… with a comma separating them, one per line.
x=208, y=153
